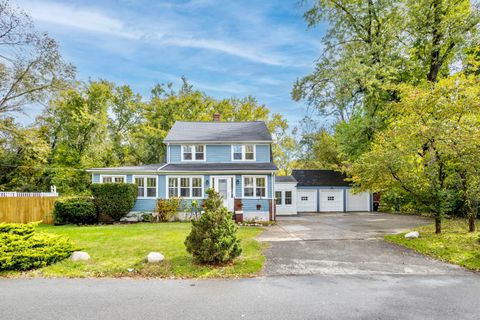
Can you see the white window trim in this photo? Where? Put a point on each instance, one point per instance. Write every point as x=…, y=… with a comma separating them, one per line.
x=243, y=152
x=254, y=187
x=145, y=185
x=281, y=198
x=285, y=198
x=167, y=196
x=124, y=176
x=194, y=153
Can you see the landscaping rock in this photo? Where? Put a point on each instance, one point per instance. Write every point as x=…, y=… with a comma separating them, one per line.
x=155, y=257
x=79, y=256
x=412, y=235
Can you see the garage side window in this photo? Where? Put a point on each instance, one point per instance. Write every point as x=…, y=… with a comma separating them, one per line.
x=278, y=197
x=330, y=198
x=288, y=197
x=304, y=198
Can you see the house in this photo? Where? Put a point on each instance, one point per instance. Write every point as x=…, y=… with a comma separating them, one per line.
x=234, y=158
x=318, y=191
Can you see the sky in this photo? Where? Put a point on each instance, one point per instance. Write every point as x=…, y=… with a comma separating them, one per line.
x=224, y=48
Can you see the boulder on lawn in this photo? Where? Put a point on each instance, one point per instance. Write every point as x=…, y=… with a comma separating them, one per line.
x=79, y=256
x=412, y=235
x=155, y=257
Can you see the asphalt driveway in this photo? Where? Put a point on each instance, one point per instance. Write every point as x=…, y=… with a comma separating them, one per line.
x=346, y=244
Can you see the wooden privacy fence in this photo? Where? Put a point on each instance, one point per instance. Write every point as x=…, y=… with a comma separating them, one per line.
x=24, y=207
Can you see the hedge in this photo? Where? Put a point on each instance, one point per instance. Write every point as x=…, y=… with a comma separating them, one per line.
x=114, y=199
x=23, y=248
x=77, y=210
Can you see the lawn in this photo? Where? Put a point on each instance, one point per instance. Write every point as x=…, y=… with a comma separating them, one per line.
x=116, y=248
x=455, y=244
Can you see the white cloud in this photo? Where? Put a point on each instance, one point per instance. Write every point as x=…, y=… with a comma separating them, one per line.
x=174, y=31
x=230, y=48
x=87, y=19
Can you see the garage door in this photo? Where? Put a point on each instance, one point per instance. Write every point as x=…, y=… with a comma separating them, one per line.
x=307, y=200
x=331, y=200
x=358, y=202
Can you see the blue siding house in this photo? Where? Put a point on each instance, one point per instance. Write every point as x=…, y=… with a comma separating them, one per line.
x=234, y=158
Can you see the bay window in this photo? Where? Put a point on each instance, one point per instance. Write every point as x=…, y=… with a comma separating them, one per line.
x=146, y=186
x=185, y=187
x=254, y=186
x=193, y=152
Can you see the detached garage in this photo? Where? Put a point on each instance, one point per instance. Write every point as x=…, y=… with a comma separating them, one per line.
x=327, y=191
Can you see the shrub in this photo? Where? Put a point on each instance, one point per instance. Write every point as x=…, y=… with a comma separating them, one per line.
x=114, y=199
x=167, y=208
x=22, y=248
x=77, y=210
x=213, y=237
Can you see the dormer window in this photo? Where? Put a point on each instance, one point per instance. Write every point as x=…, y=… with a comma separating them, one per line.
x=243, y=152
x=193, y=152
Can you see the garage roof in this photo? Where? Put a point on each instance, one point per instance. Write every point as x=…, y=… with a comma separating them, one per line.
x=285, y=179
x=320, y=178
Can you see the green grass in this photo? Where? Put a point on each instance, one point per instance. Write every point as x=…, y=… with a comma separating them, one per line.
x=116, y=248
x=455, y=244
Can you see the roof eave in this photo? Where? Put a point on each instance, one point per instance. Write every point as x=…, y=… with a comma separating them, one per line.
x=217, y=141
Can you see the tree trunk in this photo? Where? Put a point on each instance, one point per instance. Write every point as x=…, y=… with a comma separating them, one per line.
x=438, y=225
x=471, y=223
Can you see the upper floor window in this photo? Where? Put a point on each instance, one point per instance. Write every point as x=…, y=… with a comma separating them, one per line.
x=243, y=152
x=113, y=179
x=193, y=152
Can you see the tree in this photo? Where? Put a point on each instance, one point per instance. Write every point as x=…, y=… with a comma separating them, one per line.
x=24, y=157
x=31, y=66
x=75, y=126
x=429, y=147
x=370, y=47
x=213, y=238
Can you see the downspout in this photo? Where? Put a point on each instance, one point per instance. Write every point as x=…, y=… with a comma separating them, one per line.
x=274, y=209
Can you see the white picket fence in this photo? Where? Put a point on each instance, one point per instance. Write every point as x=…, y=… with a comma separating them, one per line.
x=53, y=193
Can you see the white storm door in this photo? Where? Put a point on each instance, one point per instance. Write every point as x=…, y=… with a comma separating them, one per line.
x=223, y=185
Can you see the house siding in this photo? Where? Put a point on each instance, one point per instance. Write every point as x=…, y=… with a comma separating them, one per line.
x=262, y=153
x=175, y=153
x=220, y=153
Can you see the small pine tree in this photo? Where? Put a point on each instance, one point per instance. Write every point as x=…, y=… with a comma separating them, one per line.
x=213, y=238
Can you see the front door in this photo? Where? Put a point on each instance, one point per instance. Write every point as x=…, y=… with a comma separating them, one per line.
x=223, y=185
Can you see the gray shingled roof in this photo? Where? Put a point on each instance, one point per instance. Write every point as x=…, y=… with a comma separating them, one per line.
x=254, y=166
x=285, y=179
x=185, y=167
x=320, y=178
x=146, y=167
x=218, y=131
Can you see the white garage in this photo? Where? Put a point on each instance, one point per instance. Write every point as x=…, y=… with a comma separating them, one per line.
x=285, y=195
x=327, y=191
x=331, y=200
x=358, y=202
x=307, y=200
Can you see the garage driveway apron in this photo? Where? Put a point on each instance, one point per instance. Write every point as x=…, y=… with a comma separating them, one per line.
x=346, y=243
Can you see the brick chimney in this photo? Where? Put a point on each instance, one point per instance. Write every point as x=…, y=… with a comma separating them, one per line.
x=216, y=117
